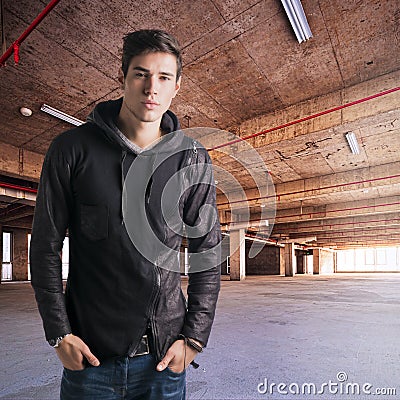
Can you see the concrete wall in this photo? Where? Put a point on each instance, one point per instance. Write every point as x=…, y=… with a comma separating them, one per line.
x=268, y=262
x=327, y=262
x=324, y=261
x=300, y=261
x=225, y=254
x=20, y=255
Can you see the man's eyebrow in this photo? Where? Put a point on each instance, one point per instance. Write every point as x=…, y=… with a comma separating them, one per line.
x=138, y=68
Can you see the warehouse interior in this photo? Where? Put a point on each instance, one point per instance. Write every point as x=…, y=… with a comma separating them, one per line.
x=305, y=143
x=274, y=114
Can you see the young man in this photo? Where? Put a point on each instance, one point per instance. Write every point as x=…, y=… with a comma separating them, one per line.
x=123, y=329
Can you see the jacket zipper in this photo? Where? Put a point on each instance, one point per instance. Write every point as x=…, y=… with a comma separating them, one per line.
x=122, y=186
x=158, y=285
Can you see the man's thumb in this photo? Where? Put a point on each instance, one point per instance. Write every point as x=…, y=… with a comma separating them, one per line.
x=91, y=358
x=164, y=362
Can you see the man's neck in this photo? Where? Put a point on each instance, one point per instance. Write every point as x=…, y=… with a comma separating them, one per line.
x=140, y=133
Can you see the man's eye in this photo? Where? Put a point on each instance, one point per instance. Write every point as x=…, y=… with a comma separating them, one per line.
x=165, y=78
x=139, y=74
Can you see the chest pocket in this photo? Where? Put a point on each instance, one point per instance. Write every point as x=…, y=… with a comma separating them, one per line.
x=94, y=221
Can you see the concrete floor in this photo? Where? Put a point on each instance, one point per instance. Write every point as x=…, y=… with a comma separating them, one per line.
x=288, y=331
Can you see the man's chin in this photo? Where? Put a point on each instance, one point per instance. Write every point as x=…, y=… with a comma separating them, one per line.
x=151, y=115
x=151, y=118
x=145, y=116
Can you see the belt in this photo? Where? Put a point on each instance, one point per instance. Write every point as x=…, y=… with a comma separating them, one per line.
x=143, y=347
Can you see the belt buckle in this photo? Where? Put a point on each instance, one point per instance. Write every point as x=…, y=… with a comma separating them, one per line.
x=144, y=340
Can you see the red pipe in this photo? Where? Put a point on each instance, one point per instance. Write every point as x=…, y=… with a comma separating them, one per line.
x=345, y=232
x=338, y=185
x=31, y=190
x=348, y=223
x=356, y=237
x=313, y=190
x=17, y=187
x=333, y=211
x=297, y=121
x=326, y=212
x=371, y=238
x=15, y=46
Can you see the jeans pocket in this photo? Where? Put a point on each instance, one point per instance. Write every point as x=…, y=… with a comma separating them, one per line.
x=74, y=371
x=173, y=373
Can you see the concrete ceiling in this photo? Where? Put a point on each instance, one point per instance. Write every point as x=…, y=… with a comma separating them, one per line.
x=244, y=72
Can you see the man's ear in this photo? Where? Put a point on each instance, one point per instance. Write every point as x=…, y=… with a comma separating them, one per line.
x=121, y=78
x=177, y=86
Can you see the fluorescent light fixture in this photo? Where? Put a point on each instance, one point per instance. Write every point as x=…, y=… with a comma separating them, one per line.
x=62, y=115
x=352, y=140
x=298, y=19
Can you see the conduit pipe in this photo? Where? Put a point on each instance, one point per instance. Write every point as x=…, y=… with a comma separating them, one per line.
x=17, y=187
x=373, y=238
x=313, y=190
x=361, y=240
x=338, y=185
x=360, y=231
x=297, y=121
x=11, y=186
x=14, y=48
x=343, y=209
x=326, y=212
x=345, y=223
x=31, y=190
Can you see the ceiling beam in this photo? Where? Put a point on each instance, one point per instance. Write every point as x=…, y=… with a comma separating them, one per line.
x=20, y=163
x=361, y=179
x=341, y=224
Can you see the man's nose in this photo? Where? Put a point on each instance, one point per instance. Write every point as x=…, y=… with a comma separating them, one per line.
x=151, y=86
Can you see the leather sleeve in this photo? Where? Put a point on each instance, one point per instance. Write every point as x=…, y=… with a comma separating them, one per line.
x=51, y=218
x=204, y=251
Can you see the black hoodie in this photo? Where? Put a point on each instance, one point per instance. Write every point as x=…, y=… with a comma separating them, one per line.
x=124, y=270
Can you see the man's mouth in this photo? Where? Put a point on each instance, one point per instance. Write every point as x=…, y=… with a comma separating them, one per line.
x=150, y=104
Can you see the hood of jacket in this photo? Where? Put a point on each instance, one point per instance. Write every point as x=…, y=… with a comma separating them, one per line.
x=105, y=114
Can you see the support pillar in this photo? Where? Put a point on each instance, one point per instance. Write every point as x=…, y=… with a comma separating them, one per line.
x=281, y=261
x=237, y=255
x=316, y=261
x=20, y=255
x=324, y=261
x=1, y=252
x=290, y=260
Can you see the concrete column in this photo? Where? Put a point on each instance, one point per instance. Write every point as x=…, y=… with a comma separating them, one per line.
x=20, y=255
x=316, y=263
x=281, y=261
x=290, y=260
x=316, y=266
x=300, y=262
x=324, y=261
x=237, y=255
x=1, y=251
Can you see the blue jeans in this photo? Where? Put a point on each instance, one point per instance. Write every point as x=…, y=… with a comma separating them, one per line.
x=124, y=378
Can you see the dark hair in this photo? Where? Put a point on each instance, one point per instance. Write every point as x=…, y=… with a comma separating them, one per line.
x=150, y=41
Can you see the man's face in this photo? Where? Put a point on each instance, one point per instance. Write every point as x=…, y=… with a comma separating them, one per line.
x=150, y=85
